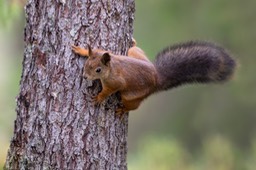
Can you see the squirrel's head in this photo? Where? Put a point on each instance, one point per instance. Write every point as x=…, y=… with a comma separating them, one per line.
x=97, y=65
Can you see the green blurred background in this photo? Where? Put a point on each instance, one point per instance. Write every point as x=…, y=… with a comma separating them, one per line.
x=194, y=127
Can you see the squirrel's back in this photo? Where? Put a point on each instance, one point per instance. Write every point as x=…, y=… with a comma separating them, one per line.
x=192, y=62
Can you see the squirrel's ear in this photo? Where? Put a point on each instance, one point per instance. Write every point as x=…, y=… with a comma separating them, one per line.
x=90, y=50
x=105, y=58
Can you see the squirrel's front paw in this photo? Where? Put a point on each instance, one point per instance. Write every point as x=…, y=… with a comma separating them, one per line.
x=76, y=49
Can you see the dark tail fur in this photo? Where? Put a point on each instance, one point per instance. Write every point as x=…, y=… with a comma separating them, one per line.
x=193, y=62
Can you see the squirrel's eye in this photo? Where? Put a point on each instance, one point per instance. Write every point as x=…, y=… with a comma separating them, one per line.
x=98, y=70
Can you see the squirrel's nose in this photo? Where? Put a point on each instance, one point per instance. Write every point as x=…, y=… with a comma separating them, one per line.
x=84, y=76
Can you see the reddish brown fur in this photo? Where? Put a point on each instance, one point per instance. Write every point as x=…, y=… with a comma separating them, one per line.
x=135, y=77
x=133, y=89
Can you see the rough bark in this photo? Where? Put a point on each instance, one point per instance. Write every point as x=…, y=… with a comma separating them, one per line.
x=57, y=126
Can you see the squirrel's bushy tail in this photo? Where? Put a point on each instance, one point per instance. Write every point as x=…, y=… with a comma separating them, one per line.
x=193, y=62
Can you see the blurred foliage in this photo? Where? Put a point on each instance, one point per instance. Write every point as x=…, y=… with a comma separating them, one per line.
x=10, y=9
x=188, y=117
x=161, y=153
x=192, y=112
x=11, y=25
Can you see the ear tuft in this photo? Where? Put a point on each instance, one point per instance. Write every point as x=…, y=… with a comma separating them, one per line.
x=90, y=50
x=105, y=58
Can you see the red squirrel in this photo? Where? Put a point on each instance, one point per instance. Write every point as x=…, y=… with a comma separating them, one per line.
x=135, y=77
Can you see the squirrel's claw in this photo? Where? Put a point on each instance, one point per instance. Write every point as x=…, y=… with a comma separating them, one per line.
x=76, y=49
x=120, y=111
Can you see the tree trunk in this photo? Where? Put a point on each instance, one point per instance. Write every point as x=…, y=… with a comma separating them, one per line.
x=57, y=126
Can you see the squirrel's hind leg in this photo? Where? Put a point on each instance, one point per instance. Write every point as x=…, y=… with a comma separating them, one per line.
x=128, y=105
x=136, y=52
